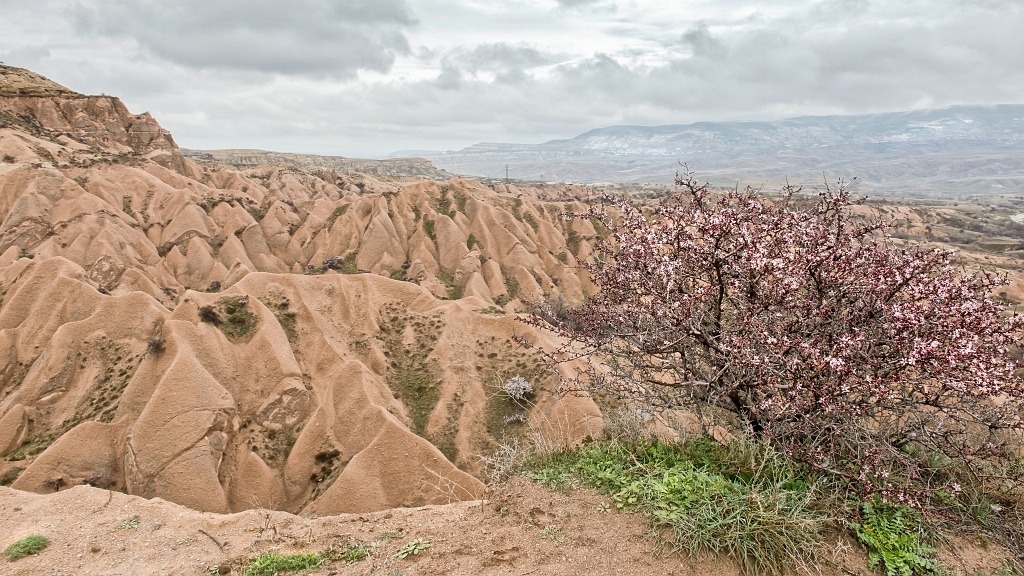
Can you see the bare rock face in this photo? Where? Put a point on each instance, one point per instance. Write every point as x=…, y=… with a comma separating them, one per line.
x=273, y=335
x=103, y=121
x=22, y=82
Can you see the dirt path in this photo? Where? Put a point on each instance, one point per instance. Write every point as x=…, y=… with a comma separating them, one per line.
x=522, y=529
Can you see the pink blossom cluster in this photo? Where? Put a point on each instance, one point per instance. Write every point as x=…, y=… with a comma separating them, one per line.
x=806, y=326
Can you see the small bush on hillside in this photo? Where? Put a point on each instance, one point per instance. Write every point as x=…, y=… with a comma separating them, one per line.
x=27, y=546
x=517, y=388
x=231, y=314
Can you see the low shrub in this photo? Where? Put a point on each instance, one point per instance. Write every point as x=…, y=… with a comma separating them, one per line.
x=27, y=546
x=231, y=314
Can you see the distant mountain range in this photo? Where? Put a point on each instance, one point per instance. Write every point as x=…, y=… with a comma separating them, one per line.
x=957, y=150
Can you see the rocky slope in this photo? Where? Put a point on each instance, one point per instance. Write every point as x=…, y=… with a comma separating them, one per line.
x=270, y=336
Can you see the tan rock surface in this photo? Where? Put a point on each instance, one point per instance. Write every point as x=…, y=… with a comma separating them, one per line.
x=326, y=389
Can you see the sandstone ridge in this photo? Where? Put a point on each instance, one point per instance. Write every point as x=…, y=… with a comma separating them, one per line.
x=274, y=336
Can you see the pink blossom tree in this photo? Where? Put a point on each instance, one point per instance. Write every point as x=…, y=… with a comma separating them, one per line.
x=804, y=325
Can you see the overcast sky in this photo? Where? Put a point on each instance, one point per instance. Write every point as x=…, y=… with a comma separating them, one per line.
x=368, y=77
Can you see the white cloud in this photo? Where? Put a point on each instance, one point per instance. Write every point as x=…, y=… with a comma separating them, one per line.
x=321, y=37
x=365, y=78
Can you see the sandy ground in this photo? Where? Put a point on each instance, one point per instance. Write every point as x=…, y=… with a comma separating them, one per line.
x=521, y=529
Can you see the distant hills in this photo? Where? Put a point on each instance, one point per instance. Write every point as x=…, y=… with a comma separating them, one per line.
x=397, y=167
x=956, y=150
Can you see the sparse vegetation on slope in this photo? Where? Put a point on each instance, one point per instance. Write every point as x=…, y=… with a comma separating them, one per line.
x=281, y=307
x=412, y=373
x=231, y=314
x=33, y=544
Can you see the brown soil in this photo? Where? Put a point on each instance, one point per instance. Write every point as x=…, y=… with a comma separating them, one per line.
x=522, y=528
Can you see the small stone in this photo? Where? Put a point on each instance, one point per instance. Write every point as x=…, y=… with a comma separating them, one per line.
x=224, y=569
x=94, y=548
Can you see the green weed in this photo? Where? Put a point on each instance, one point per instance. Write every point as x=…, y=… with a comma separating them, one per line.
x=512, y=290
x=455, y=292
x=412, y=548
x=131, y=523
x=892, y=536
x=8, y=477
x=27, y=546
x=349, y=553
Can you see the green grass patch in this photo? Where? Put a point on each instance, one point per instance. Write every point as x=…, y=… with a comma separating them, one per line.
x=231, y=314
x=338, y=213
x=33, y=446
x=444, y=438
x=8, y=477
x=272, y=563
x=27, y=546
x=428, y=229
x=454, y=292
x=704, y=499
x=443, y=204
x=572, y=239
x=517, y=206
x=511, y=290
x=529, y=219
x=286, y=317
x=460, y=200
x=473, y=241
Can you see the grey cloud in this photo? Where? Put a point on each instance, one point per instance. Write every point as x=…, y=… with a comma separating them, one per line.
x=314, y=37
x=702, y=43
x=591, y=6
x=26, y=57
x=507, y=62
x=839, y=56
